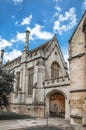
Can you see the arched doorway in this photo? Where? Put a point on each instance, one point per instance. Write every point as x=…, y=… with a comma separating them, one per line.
x=57, y=105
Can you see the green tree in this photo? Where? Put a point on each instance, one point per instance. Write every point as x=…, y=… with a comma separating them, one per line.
x=6, y=86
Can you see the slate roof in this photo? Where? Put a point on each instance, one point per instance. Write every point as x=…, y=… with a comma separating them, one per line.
x=42, y=46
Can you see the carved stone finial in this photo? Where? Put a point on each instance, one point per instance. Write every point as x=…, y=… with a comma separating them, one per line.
x=26, y=39
x=1, y=56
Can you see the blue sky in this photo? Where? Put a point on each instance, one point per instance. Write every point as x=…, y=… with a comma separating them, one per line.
x=43, y=18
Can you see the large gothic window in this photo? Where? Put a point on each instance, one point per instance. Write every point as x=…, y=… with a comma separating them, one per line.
x=30, y=81
x=55, y=70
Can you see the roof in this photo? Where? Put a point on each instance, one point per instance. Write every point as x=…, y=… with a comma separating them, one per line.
x=43, y=46
x=9, y=62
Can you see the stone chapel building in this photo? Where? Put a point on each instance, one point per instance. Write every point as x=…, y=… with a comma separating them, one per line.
x=43, y=86
x=42, y=81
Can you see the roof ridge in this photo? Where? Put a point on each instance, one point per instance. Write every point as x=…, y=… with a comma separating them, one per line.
x=35, y=49
x=42, y=45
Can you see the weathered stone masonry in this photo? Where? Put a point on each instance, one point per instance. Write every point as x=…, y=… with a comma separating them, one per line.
x=43, y=86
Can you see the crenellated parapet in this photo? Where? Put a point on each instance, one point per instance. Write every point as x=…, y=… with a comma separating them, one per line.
x=59, y=82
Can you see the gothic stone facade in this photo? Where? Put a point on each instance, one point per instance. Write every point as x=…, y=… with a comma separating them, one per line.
x=42, y=84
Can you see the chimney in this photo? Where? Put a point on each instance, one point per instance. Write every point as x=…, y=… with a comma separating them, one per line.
x=1, y=56
x=26, y=39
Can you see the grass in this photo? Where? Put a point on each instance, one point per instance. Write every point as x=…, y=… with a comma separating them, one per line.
x=44, y=128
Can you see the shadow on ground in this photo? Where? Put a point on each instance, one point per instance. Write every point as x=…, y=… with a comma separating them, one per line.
x=43, y=128
x=11, y=115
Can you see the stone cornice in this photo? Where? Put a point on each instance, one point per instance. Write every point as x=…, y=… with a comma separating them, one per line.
x=55, y=86
x=14, y=67
x=38, y=104
x=32, y=104
x=79, y=90
x=76, y=116
x=76, y=56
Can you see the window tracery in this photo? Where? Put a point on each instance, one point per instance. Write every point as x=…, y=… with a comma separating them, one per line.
x=55, y=70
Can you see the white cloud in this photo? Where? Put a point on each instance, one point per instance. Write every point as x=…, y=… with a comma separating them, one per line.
x=11, y=55
x=65, y=22
x=84, y=5
x=27, y=20
x=39, y=33
x=17, y=1
x=58, y=8
x=4, y=43
x=56, y=1
x=68, y=15
x=19, y=37
x=66, y=57
x=16, y=23
x=66, y=60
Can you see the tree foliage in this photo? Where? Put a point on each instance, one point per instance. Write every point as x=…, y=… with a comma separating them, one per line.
x=6, y=85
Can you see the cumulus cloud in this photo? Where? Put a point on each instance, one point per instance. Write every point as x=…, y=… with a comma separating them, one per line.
x=11, y=55
x=27, y=20
x=57, y=5
x=84, y=5
x=17, y=1
x=8, y=55
x=65, y=22
x=38, y=32
x=19, y=37
x=4, y=43
x=58, y=8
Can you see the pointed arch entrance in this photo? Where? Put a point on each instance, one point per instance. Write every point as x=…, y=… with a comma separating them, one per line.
x=56, y=103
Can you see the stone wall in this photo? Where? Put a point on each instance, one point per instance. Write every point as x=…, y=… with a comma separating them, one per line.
x=77, y=63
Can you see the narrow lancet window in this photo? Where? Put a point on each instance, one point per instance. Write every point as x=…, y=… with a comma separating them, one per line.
x=17, y=82
x=30, y=81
